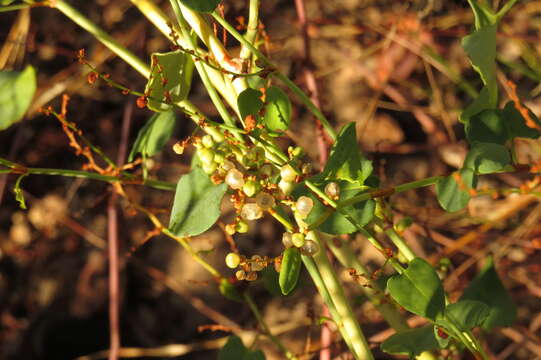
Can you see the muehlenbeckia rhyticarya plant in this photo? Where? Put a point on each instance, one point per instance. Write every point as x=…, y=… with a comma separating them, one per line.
x=239, y=159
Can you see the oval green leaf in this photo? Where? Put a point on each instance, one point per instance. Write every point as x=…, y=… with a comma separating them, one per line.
x=154, y=135
x=485, y=158
x=249, y=102
x=277, y=110
x=197, y=204
x=418, y=290
x=454, y=191
x=411, y=342
x=290, y=270
x=16, y=92
x=467, y=314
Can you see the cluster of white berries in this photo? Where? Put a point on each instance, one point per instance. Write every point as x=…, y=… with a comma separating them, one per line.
x=306, y=245
x=249, y=267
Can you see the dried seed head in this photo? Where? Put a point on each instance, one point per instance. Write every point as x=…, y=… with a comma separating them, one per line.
x=288, y=173
x=298, y=239
x=265, y=200
x=304, y=205
x=251, y=211
x=332, y=190
x=232, y=260
x=251, y=276
x=240, y=275
x=234, y=179
x=286, y=239
x=310, y=248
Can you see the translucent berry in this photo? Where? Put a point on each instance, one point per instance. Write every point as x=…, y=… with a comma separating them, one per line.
x=287, y=173
x=250, y=188
x=240, y=275
x=207, y=141
x=286, y=187
x=210, y=167
x=234, y=179
x=242, y=227
x=257, y=263
x=286, y=239
x=206, y=155
x=332, y=190
x=304, y=205
x=265, y=200
x=227, y=165
x=251, y=276
x=298, y=239
x=251, y=211
x=310, y=248
x=232, y=260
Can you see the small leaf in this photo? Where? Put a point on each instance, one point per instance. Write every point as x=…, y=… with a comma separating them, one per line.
x=517, y=126
x=229, y=291
x=277, y=109
x=19, y=195
x=154, y=135
x=467, y=314
x=487, y=288
x=271, y=281
x=442, y=334
x=233, y=349
x=206, y=6
x=346, y=161
x=16, y=92
x=336, y=223
x=480, y=103
x=485, y=158
x=197, y=204
x=170, y=79
x=249, y=102
x=418, y=290
x=290, y=269
x=454, y=190
x=481, y=48
x=411, y=342
x=487, y=127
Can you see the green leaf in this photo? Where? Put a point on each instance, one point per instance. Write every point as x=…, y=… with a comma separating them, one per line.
x=411, y=342
x=442, y=334
x=249, y=102
x=487, y=288
x=487, y=127
x=19, y=195
x=482, y=102
x=484, y=16
x=290, y=270
x=197, y=204
x=234, y=349
x=229, y=291
x=154, y=135
x=467, y=314
x=201, y=5
x=271, y=281
x=486, y=158
x=517, y=126
x=346, y=161
x=277, y=110
x=16, y=92
x=170, y=79
x=481, y=48
x=453, y=195
x=418, y=290
x=6, y=2
x=337, y=223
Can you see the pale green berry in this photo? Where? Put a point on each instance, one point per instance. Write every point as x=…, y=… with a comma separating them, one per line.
x=265, y=200
x=232, y=260
x=304, y=205
x=251, y=211
x=310, y=248
x=332, y=190
x=250, y=188
x=206, y=155
x=240, y=275
x=298, y=239
x=219, y=158
x=207, y=141
x=287, y=173
x=287, y=239
x=210, y=167
x=235, y=179
x=242, y=227
x=227, y=165
x=286, y=187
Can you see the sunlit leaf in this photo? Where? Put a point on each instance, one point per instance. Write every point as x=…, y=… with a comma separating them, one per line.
x=154, y=135
x=289, y=270
x=249, y=102
x=277, y=110
x=467, y=314
x=485, y=158
x=454, y=190
x=411, y=342
x=16, y=92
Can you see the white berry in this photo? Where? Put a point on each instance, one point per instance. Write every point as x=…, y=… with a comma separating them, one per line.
x=234, y=179
x=304, y=205
x=251, y=211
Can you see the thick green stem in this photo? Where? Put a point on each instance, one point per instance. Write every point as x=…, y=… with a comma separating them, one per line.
x=251, y=31
x=103, y=37
x=359, y=345
x=303, y=97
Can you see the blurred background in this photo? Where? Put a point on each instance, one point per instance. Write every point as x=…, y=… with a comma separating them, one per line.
x=396, y=68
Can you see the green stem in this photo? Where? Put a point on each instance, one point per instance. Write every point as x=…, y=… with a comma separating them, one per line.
x=396, y=239
x=288, y=354
x=303, y=97
x=359, y=345
x=508, y=5
x=347, y=258
x=103, y=37
x=14, y=7
x=251, y=30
